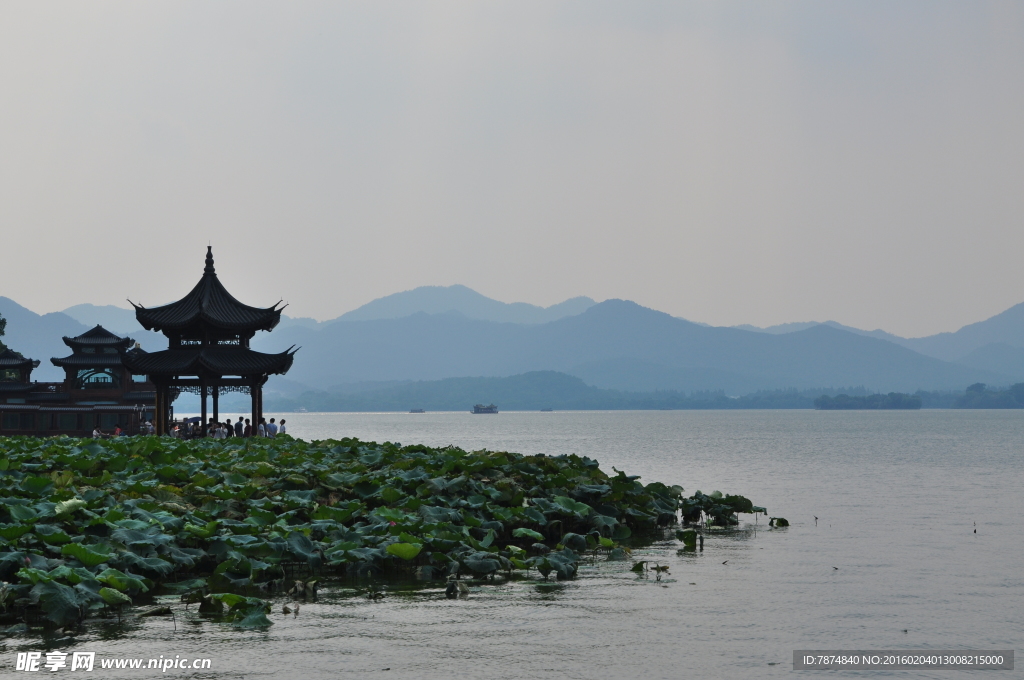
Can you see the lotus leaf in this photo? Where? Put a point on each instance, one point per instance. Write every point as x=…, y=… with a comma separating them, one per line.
x=69, y=506
x=51, y=534
x=90, y=558
x=114, y=597
x=59, y=602
x=12, y=532
x=22, y=513
x=523, y=532
x=406, y=551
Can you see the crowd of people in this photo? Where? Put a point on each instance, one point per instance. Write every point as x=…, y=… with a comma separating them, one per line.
x=191, y=428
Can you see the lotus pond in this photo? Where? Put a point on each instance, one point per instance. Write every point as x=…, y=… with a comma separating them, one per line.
x=89, y=528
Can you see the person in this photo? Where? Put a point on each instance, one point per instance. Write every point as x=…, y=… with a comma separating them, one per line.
x=247, y=431
x=272, y=429
x=229, y=428
x=98, y=433
x=149, y=427
x=239, y=428
x=118, y=432
x=262, y=429
x=282, y=429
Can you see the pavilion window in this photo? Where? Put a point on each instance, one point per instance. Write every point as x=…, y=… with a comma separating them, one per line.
x=11, y=421
x=67, y=421
x=102, y=378
x=10, y=374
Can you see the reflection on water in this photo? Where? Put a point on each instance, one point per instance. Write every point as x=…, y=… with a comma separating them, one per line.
x=896, y=494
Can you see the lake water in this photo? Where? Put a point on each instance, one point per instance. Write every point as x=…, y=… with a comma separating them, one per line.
x=897, y=495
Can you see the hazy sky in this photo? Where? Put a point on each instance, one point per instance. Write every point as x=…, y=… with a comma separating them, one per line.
x=725, y=162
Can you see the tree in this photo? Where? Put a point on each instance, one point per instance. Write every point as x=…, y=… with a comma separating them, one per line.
x=3, y=327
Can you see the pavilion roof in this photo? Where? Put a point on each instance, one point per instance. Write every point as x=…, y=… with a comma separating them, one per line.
x=11, y=359
x=88, y=361
x=97, y=337
x=209, y=304
x=216, y=359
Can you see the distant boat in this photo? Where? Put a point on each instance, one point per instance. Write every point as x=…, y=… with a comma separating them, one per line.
x=546, y=410
x=480, y=408
x=416, y=410
x=301, y=409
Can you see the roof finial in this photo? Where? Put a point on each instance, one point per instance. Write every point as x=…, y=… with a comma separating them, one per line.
x=209, y=261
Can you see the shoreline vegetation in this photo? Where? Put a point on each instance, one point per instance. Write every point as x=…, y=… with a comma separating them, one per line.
x=89, y=527
x=891, y=401
x=561, y=392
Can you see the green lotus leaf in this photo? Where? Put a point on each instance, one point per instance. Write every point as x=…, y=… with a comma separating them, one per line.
x=12, y=532
x=22, y=513
x=51, y=534
x=407, y=551
x=523, y=532
x=69, y=506
x=86, y=556
x=58, y=601
x=37, y=486
x=114, y=597
x=121, y=581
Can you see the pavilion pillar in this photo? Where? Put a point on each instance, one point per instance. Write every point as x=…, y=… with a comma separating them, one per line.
x=254, y=391
x=202, y=398
x=216, y=403
x=260, y=390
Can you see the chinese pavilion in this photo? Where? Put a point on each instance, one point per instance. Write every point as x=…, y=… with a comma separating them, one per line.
x=96, y=360
x=208, y=333
x=15, y=373
x=98, y=391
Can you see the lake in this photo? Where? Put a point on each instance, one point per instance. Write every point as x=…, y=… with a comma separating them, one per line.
x=897, y=496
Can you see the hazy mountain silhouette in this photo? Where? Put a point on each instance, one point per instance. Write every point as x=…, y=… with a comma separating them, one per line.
x=795, y=326
x=604, y=345
x=434, y=333
x=465, y=301
x=997, y=357
x=38, y=336
x=966, y=346
x=1006, y=327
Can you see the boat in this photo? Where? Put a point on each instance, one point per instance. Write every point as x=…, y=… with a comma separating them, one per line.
x=546, y=410
x=480, y=408
x=301, y=409
x=416, y=410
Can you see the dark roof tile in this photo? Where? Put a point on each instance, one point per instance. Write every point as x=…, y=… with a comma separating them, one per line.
x=208, y=303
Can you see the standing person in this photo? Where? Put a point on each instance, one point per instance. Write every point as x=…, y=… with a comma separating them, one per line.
x=262, y=428
x=282, y=429
x=239, y=428
x=247, y=431
x=230, y=429
x=272, y=429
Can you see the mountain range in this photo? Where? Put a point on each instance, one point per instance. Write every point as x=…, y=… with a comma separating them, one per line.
x=434, y=333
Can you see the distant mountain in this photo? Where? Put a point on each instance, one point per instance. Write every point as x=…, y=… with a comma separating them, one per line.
x=795, y=326
x=997, y=357
x=38, y=336
x=1006, y=328
x=613, y=344
x=965, y=346
x=465, y=301
x=114, y=319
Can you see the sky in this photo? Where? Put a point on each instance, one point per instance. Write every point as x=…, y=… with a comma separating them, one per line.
x=724, y=162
